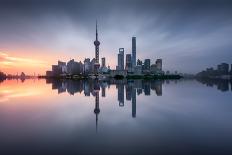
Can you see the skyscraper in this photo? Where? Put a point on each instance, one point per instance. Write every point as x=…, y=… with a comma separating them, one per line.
x=121, y=59
x=147, y=64
x=139, y=62
x=133, y=52
x=231, y=71
x=159, y=64
x=128, y=62
x=96, y=43
x=87, y=66
x=223, y=68
x=103, y=62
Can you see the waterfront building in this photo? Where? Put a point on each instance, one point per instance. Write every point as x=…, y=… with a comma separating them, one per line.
x=128, y=66
x=103, y=63
x=92, y=63
x=159, y=64
x=154, y=69
x=133, y=52
x=49, y=73
x=56, y=70
x=120, y=59
x=87, y=66
x=74, y=67
x=103, y=68
x=138, y=70
x=231, y=70
x=63, y=66
x=139, y=62
x=223, y=68
x=113, y=73
x=146, y=66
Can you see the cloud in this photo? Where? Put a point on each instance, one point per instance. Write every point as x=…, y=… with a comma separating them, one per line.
x=175, y=30
x=7, y=61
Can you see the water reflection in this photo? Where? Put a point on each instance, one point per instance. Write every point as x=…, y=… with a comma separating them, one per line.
x=132, y=87
x=93, y=87
x=99, y=117
x=10, y=89
x=221, y=84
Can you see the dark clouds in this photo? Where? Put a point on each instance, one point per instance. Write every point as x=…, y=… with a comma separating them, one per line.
x=190, y=32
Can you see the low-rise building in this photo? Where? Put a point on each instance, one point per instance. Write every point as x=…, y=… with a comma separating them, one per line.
x=138, y=70
x=113, y=73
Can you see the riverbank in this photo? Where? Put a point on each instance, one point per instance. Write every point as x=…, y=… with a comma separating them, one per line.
x=100, y=76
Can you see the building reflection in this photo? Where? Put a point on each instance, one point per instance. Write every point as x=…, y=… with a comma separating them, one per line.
x=221, y=84
x=231, y=85
x=97, y=106
x=120, y=87
x=130, y=88
x=133, y=102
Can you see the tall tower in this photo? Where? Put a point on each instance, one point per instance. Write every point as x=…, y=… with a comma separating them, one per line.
x=96, y=43
x=133, y=52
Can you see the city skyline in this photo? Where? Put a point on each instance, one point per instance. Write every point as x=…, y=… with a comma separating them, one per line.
x=33, y=37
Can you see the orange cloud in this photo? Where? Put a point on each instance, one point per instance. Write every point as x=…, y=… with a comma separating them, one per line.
x=12, y=64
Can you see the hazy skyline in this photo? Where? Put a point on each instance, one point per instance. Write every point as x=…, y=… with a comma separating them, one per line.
x=188, y=35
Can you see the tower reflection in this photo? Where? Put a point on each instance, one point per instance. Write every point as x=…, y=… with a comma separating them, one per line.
x=97, y=107
x=93, y=87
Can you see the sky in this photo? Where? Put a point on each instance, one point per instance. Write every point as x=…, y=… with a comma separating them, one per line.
x=189, y=35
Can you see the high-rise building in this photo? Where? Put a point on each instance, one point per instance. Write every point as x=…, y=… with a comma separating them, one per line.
x=74, y=67
x=103, y=62
x=231, y=71
x=223, y=68
x=56, y=70
x=87, y=66
x=133, y=52
x=92, y=63
x=121, y=59
x=96, y=43
x=159, y=64
x=103, y=69
x=139, y=62
x=147, y=64
x=63, y=66
x=153, y=69
x=128, y=66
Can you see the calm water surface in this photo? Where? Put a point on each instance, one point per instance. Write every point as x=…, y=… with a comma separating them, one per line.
x=116, y=117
